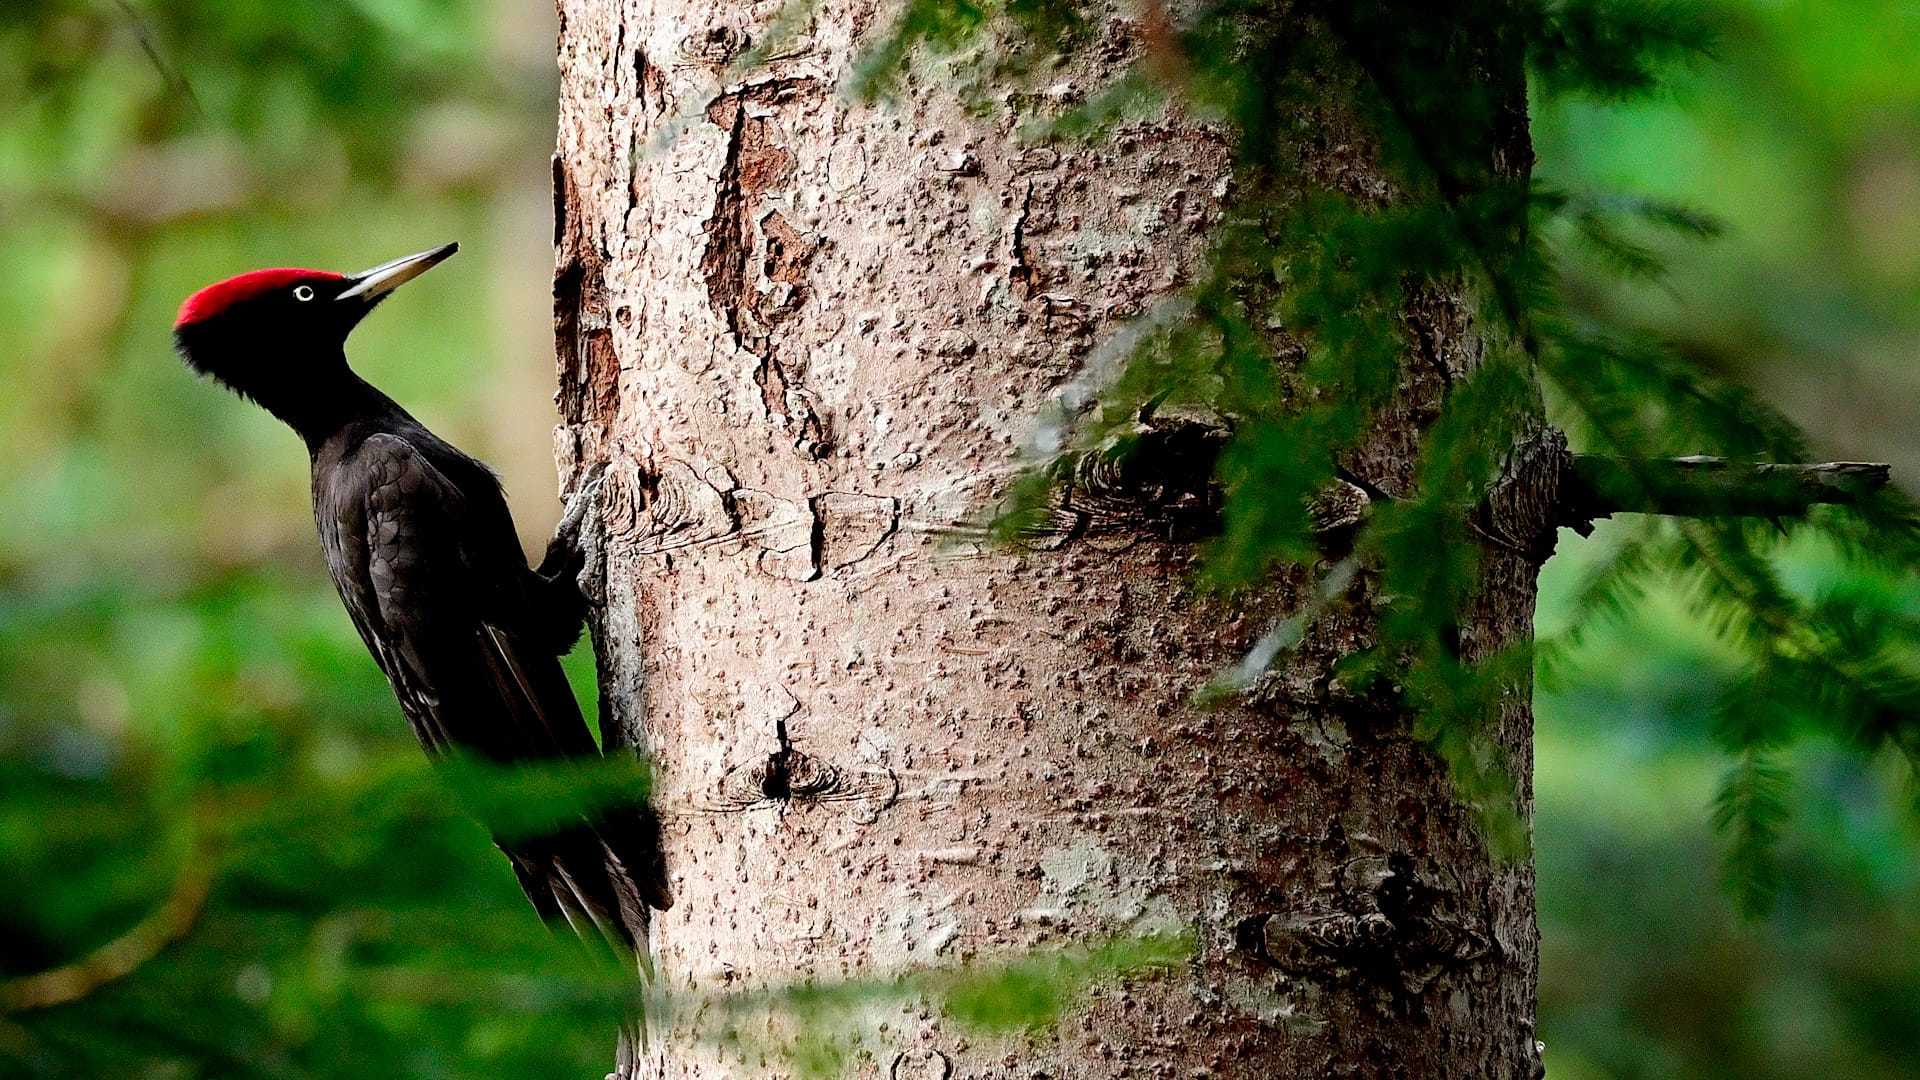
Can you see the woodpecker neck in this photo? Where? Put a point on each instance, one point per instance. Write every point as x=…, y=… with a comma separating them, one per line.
x=320, y=407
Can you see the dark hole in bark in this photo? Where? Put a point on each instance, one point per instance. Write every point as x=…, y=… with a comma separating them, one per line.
x=776, y=780
x=791, y=777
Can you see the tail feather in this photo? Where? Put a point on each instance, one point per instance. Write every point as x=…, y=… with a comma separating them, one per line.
x=533, y=882
x=573, y=914
x=609, y=869
x=575, y=877
x=631, y=835
x=593, y=902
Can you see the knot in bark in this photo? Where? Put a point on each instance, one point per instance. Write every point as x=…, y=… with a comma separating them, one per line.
x=1387, y=926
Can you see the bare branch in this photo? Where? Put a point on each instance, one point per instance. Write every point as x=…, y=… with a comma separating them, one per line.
x=1597, y=486
x=168, y=74
x=120, y=957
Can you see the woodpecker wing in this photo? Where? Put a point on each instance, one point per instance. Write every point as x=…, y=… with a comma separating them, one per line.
x=427, y=571
x=440, y=604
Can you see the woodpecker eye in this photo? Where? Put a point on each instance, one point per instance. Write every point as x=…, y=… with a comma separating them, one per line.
x=303, y=292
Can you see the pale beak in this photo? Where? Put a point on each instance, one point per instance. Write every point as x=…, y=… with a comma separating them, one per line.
x=370, y=286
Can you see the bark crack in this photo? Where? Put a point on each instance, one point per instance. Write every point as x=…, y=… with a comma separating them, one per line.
x=1020, y=272
x=589, y=366
x=676, y=507
x=755, y=263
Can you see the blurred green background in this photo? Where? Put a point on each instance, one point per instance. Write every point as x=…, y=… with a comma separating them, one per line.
x=182, y=702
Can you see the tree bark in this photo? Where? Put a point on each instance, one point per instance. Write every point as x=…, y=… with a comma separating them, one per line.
x=811, y=338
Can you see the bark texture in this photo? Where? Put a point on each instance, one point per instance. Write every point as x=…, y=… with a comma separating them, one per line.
x=811, y=339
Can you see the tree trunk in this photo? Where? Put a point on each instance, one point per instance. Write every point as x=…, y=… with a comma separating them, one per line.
x=812, y=338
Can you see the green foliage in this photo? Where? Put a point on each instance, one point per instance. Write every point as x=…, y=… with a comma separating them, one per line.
x=1033, y=992
x=938, y=25
x=1036, y=28
x=527, y=800
x=1750, y=809
x=296, y=86
x=1616, y=48
x=1646, y=969
x=183, y=707
x=155, y=739
x=819, y=1029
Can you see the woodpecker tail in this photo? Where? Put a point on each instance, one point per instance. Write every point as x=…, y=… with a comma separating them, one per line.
x=599, y=879
x=580, y=879
x=630, y=1052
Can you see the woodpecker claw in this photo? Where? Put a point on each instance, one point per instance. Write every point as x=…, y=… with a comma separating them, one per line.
x=574, y=552
x=585, y=499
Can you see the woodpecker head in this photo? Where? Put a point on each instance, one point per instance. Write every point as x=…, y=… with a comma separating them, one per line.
x=275, y=335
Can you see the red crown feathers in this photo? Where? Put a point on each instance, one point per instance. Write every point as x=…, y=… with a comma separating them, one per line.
x=222, y=295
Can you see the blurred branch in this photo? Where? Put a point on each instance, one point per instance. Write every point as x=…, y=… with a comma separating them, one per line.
x=123, y=955
x=167, y=185
x=171, y=75
x=1597, y=486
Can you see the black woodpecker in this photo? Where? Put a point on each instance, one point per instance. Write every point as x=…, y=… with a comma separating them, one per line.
x=422, y=549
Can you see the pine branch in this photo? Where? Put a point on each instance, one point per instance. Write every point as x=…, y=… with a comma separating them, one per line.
x=1598, y=486
x=1751, y=808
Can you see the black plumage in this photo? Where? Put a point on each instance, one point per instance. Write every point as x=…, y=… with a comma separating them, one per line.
x=422, y=549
